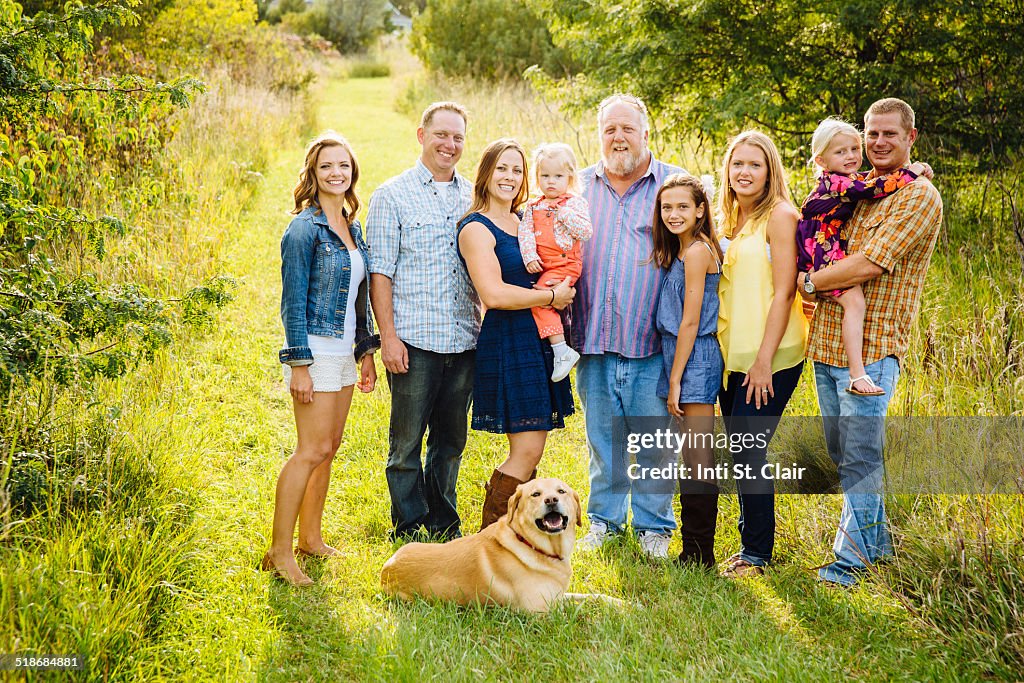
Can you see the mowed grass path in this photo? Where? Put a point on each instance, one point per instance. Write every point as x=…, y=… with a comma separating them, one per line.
x=688, y=625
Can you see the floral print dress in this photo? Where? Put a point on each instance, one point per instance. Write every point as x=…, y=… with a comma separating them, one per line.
x=826, y=210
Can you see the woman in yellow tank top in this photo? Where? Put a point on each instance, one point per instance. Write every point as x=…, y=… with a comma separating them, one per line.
x=760, y=327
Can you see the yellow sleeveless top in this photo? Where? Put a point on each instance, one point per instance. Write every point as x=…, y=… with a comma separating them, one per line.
x=745, y=293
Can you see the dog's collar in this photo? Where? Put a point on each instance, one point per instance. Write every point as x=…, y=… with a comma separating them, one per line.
x=533, y=547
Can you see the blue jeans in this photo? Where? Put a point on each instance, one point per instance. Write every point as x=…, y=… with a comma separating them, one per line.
x=612, y=386
x=433, y=395
x=756, y=498
x=855, y=436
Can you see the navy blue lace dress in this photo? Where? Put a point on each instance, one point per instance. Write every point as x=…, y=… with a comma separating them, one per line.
x=512, y=390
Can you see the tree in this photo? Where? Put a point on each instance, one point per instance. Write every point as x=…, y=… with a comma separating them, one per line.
x=716, y=66
x=350, y=25
x=57, y=318
x=488, y=39
x=409, y=7
x=273, y=12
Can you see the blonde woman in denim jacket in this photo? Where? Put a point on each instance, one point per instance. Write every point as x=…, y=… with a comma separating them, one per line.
x=329, y=332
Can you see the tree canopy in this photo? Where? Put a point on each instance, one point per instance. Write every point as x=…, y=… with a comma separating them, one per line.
x=713, y=66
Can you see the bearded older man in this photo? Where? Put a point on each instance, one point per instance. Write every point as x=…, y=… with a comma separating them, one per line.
x=618, y=372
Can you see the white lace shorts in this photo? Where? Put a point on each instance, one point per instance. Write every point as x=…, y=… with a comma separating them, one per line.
x=329, y=373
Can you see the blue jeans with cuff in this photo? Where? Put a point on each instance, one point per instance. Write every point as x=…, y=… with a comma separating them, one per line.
x=613, y=386
x=855, y=436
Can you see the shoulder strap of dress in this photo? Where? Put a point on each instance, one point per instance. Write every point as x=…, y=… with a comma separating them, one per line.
x=713, y=254
x=480, y=218
x=475, y=217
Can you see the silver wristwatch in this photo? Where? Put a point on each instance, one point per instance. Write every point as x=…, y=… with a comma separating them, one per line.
x=808, y=285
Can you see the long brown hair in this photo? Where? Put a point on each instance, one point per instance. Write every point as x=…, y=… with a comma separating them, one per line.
x=305, y=191
x=667, y=244
x=775, y=190
x=485, y=169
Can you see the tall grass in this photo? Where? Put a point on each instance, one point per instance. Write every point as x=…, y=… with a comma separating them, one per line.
x=103, y=554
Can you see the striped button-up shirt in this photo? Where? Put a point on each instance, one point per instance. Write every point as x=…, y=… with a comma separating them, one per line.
x=411, y=232
x=617, y=294
x=897, y=233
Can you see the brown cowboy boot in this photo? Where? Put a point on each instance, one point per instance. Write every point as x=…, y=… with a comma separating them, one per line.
x=499, y=489
x=699, y=513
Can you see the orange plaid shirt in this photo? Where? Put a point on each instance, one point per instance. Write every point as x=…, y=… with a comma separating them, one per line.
x=898, y=234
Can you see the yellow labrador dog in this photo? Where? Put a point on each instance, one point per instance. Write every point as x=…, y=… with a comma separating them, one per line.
x=521, y=561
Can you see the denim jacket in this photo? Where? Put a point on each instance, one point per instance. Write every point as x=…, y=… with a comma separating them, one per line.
x=315, y=273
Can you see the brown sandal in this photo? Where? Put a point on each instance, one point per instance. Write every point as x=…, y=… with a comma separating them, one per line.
x=739, y=568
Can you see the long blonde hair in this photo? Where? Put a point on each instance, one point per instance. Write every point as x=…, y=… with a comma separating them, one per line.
x=485, y=169
x=775, y=190
x=305, y=191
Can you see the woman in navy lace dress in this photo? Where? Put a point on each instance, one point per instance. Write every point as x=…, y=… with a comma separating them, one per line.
x=512, y=391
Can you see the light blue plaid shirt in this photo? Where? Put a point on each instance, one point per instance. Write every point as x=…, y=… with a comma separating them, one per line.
x=411, y=231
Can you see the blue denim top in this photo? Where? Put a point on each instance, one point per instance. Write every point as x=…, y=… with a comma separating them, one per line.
x=315, y=274
x=669, y=313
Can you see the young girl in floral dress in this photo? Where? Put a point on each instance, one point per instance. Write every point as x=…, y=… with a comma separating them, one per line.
x=836, y=150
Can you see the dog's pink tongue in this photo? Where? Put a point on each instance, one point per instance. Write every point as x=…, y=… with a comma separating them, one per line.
x=552, y=522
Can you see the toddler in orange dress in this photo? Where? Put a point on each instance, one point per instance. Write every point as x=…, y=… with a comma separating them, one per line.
x=551, y=234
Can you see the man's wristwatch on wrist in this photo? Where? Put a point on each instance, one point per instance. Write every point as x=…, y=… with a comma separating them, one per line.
x=808, y=285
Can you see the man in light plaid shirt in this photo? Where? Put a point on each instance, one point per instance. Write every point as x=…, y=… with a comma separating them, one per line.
x=890, y=243
x=429, y=317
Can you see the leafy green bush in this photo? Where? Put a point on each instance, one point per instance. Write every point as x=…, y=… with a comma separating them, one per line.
x=186, y=30
x=57, y=318
x=349, y=25
x=115, y=203
x=277, y=11
x=488, y=39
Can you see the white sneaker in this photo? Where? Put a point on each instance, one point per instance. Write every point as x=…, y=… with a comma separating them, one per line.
x=563, y=364
x=595, y=538
x=654, y=545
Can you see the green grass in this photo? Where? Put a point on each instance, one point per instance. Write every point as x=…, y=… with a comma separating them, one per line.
x=369, y=68
x=159, y=579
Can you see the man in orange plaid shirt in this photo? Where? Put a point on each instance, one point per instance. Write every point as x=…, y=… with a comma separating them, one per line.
x=890, y=243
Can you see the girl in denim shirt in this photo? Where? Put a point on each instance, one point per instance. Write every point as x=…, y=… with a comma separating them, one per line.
x=687, y=320
x=329, y=330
